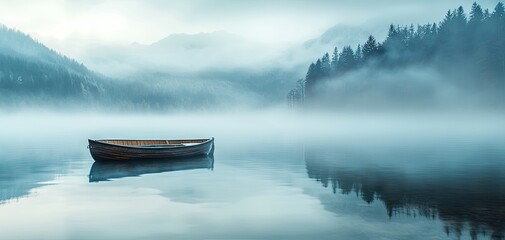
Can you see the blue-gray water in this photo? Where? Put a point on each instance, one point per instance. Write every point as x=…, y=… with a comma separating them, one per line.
x=272, y=177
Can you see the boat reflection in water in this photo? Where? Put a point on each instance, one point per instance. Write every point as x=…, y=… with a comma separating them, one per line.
x=105, y=171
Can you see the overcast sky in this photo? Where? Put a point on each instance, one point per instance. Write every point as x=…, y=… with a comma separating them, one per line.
x=68, y=23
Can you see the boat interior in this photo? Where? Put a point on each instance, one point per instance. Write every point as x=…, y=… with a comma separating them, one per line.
x=154, y=143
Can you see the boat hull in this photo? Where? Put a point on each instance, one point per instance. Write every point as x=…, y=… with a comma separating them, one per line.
x=101, y=151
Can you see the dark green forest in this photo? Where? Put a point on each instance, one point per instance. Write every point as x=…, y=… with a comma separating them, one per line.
x=468, y=50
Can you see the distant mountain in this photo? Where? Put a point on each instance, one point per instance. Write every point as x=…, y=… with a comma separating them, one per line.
x=213, y=51
x=181, y=53
x=182, y=41
x=167, y=76
x=338, y=35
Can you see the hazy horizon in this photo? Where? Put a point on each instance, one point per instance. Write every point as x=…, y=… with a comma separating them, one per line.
x=227, y=119
x=78, y=28
x=232, y=55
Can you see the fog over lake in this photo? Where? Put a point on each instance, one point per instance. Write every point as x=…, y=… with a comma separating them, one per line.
x=252, y=119
x=273, y=175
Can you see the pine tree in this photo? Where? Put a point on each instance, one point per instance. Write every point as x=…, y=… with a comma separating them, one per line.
x=498, y=45
x=346, y=59
x=487, y=14
x=476, y=14
x=447, y=20
x=499, y=11
x=370, y=48
x=319, y=69
x=460, y=17
x=310, y=79
x=446, y=27
x=434, y=29
x=359, y=55
x=325, y=66
x=334, y=61
x=392, y=31
x=411, y=31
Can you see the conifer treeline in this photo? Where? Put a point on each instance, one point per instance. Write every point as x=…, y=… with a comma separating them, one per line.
x=30, y=70
x=472, y=46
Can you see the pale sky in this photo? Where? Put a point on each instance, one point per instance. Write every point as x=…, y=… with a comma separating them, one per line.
x=79, y=22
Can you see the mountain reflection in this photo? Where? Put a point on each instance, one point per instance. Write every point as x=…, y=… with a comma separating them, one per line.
x=16, y=182
x=463, y=196
x=104, y=171
x=22, y=172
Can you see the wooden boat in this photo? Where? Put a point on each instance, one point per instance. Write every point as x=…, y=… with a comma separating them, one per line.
x=107, y=170
x=121, y=150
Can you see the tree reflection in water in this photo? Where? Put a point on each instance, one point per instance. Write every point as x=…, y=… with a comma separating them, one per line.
x=464, y=197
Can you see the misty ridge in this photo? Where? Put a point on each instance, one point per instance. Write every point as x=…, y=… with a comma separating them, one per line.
x=457, y=63
x=179, y=54
x=32, y=75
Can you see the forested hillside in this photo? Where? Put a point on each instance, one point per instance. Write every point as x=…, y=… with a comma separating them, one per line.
x=31, y=72
x=32, y=75
x=463, y=53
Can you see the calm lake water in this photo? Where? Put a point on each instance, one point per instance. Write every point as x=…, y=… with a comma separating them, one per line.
x=271, y=177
